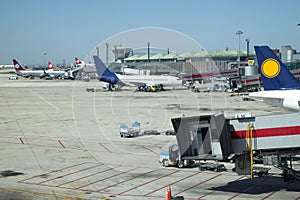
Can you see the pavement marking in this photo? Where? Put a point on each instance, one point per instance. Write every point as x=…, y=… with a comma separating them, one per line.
x=269, y=195
x=150, y=150
x=106, y=178
x=84, y=177
x=104, y=147
x=41, y=144
x=199, y=183
x=37, y=193
x=140, y=175
x=21, y=140
x=172, y=183
x=246, y=190
x=48, y=102
x=153, y=180
x=202, y=197
x=58, y=179
x=37, y=176
x=63, y=146
x=81, y=170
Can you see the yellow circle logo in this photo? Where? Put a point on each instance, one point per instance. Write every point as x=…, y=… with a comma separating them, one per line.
x=270, y=68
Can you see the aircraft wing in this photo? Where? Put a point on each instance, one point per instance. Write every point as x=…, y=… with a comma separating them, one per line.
x=272, y=98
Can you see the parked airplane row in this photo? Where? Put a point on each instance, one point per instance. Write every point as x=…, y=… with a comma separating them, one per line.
x=281, y=88
x=104, y=74
x=51, y=72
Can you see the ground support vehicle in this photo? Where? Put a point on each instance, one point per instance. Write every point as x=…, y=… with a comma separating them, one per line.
x=217, y=167
x=129, y=133
x=150, y=132
x=13, y=77
x=260, y=171
x=90, y=89
x=171, y=158
x=170, y=132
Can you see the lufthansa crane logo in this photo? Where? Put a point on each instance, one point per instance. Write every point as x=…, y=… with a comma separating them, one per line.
x=270, y=68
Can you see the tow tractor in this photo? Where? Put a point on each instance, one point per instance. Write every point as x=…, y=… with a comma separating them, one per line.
x=147, y=88
x=150, y=88
x=172, y=158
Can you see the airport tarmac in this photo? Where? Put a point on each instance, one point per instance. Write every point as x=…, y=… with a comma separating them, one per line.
x=59, y=141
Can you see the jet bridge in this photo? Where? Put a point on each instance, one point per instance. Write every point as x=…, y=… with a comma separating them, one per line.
x=263, y=136
x=202, y=137
x=241, y=138
x=269, y=134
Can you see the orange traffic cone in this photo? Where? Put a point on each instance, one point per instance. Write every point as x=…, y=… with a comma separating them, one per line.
x=168, y=193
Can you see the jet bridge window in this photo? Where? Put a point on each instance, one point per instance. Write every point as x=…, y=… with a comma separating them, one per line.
x=199, y=138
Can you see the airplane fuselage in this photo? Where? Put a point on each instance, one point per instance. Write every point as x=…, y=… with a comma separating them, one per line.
x=40, y=73
x=168, y=81
x=284, y=98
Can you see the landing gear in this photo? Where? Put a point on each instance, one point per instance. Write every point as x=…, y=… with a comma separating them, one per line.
x=111, y=87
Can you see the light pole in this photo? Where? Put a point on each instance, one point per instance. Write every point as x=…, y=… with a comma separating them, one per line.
x=106, y=44
x=148, y=45
x=239, y=56
x=248, y=41
x=45, y=54
x=97, y=51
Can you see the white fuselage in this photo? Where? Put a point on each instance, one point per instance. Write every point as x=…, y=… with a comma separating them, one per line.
x=168, y=81
x=284, y=98
x=40, y=73
x=7, y=69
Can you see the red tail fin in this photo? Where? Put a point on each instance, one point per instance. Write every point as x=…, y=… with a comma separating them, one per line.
x=51, y=67
x=78, y=62
x=17, y=66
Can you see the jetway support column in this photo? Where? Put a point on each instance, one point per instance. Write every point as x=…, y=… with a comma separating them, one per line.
x=249, y=147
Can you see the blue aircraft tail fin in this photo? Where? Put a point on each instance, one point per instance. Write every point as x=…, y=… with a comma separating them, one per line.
x=274, y=74
x=104, y=73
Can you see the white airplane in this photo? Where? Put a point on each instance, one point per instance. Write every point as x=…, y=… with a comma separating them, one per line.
x=6, y=69
x=82, y=64
x=104, y=74
x=281, y=88
x=52, y=72
x=22, y=71
x=37, y=73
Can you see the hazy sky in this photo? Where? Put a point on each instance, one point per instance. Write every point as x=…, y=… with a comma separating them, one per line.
x=64, y=29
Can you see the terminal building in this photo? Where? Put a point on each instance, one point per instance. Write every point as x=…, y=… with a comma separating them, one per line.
x=191, y=62
x=187, y=62
x=196, y=66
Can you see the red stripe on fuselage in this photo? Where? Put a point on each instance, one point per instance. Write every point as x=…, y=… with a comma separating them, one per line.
x=267, y=132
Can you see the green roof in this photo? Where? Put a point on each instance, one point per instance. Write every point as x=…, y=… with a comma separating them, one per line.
x=157, y=56
x=143, y=57
x=134, y=57
x=160, y=56
x=201, y=54
x=187, y=54
x=171, y=56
